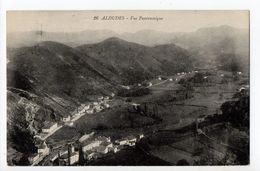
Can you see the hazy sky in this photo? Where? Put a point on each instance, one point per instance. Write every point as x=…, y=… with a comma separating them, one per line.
x=173, y=21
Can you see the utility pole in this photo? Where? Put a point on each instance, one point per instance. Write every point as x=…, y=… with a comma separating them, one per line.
x=69, y=154
x=59, y=158
x=145, y=108
x=81, y=156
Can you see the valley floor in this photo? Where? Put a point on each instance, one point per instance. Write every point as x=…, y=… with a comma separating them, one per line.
x=163, y=148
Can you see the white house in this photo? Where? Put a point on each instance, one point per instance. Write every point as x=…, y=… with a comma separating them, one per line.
x=106, y=105
x=90, y=145
x=86, y=136
x=90, y=111
x=69, y=123
x=66, y=118
x=121, y=141
x=115, y=149
x=43, y=149
x=141, y=136
x=98, y=108
x=49, y=127
x=159, y=78
x=199, y=120
x=170, y=79
x=103, y=139
x=150, y=84
x=112, y=94
x=101, y=149
x=131, y=140
x=107, y=144
x=86, y=107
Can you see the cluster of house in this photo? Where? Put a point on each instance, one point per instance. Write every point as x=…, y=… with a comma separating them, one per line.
x=42, y=151
x=94, y=147
x=90, y=108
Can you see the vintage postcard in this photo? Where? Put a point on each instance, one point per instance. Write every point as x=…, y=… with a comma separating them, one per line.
x=128, y=88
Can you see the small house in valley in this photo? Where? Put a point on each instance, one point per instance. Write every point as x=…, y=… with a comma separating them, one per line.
x=49, y=127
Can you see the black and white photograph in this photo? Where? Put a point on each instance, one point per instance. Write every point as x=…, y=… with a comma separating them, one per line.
x=128, y=88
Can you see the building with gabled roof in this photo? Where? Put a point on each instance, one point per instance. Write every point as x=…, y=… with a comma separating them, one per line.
x=89, y=145
x=101, y=149
x=49, y=127
x=43, y=149
x=86, y=136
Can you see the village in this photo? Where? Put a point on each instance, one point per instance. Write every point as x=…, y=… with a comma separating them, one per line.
x=50, y=128
x=92, y=146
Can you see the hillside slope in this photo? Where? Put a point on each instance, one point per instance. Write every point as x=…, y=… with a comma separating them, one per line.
x=134, y=62
x=56, y=69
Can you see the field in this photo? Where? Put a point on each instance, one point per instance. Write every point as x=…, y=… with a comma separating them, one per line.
x=117, y=121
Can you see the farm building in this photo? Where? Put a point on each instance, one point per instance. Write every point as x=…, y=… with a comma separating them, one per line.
x=49, y=127
x=122, y=141
x=70, y=123
x=66, y=118
x=89, y=145
x=106, y=105
x=101, y=149
x=103, y=139
x=131, y=140
x=140, y=136
x=43, y=149
x=90, y=111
